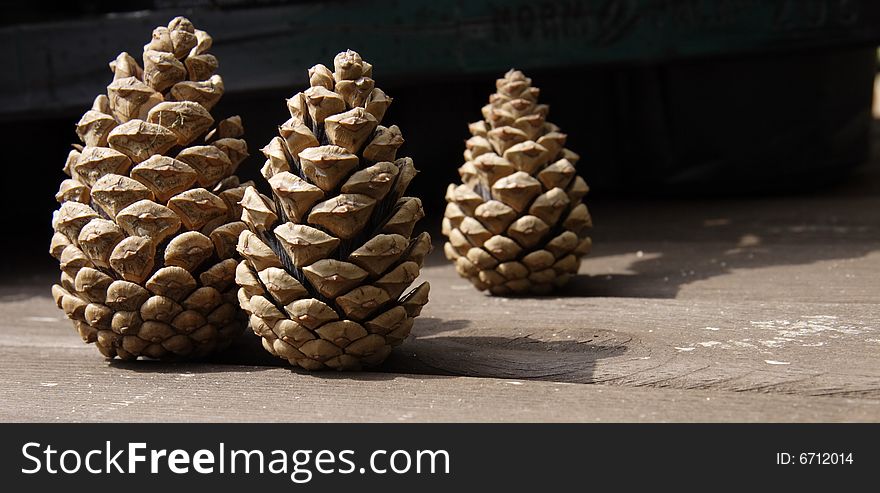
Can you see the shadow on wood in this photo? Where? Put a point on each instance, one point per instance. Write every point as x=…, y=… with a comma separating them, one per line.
x=432, y=351
x=642, y=251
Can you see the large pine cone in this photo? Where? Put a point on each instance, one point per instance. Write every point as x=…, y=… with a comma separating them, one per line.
x=516, y=224
x=329, y=256
x=149, y=217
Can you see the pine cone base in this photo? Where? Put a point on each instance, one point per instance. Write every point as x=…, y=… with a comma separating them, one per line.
x=310, y=334
x=515, y=278
x=155, y=327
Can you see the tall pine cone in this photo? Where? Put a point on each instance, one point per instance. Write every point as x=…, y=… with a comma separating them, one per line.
x=329, y=256
x=516, y=224
x=149, y=217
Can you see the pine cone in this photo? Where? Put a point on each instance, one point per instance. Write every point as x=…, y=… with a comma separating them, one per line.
x=328, y=257
x=149, y=217
x=516, y=224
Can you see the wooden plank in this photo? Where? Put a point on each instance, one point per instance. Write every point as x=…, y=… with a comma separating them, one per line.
x=776, y=347
x=67, y=384
x=818, y=249
x=769, y=295
x=59, y=66
x=795, y=348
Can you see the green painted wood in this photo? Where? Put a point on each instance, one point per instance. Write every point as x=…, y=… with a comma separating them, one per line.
x=60, y=66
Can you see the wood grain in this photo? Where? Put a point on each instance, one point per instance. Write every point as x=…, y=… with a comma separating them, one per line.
x=73, y=384
x=795, y=348
x=775, y=295
x=644, y=377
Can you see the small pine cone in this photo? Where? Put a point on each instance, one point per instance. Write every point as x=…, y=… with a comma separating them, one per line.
x=149, y=215
x=516, y=224
x=329, y=257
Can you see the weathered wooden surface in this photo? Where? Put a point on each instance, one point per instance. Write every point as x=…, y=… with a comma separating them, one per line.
x=730, y=310
x=769, y=296
x=71, y=383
